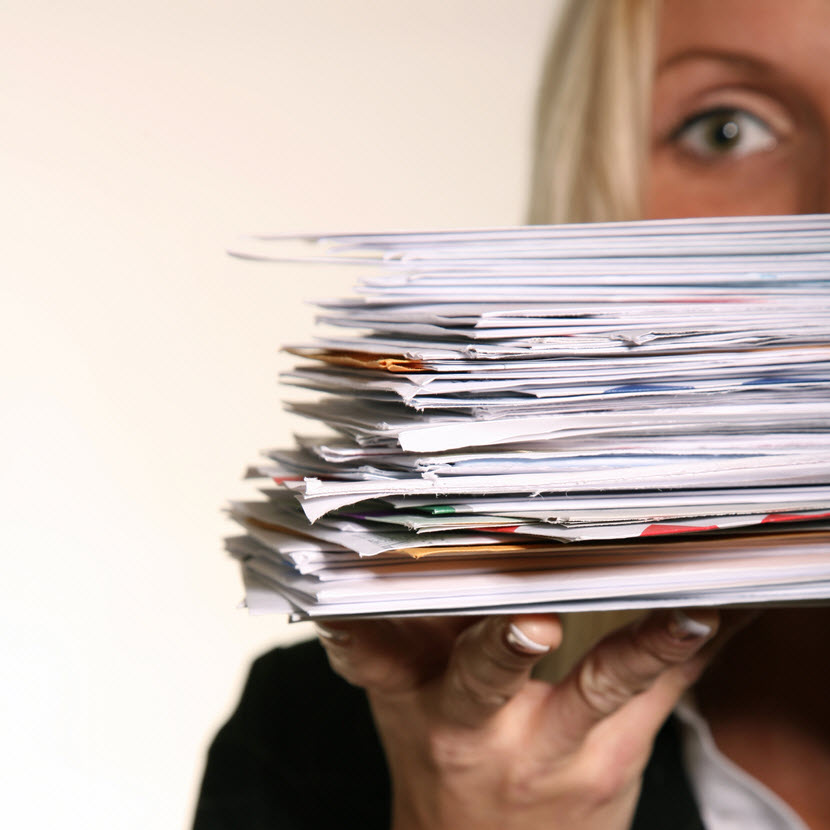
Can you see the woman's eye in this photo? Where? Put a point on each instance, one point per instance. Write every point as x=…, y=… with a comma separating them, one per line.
x=724, y=132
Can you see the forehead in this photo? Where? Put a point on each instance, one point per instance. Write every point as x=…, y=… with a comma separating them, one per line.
x=790, y=35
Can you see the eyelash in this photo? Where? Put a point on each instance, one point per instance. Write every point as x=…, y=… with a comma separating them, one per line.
x=691, y=136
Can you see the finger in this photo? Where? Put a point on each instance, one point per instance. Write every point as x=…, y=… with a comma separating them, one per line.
x=645, y=713
x=491, y=662
x=387, y=655
x=662, y=649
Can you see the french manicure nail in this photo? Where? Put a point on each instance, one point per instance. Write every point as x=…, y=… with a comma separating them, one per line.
x=520, y=641
x=333, y=635
x=683, y=627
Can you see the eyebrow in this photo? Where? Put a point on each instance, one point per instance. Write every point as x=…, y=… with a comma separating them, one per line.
x=736, y=59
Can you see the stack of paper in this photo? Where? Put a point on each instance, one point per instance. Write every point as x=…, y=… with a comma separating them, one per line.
x=575, y=417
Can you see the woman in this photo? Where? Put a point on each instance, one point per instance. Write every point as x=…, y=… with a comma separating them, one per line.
x=654, y=109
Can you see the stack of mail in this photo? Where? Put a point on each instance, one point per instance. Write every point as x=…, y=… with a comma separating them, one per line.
x=620, y=415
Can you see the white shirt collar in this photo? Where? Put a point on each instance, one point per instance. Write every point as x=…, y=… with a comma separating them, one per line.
x=728, y=797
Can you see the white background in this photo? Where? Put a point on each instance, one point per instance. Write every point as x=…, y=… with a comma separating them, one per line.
x=137, y=141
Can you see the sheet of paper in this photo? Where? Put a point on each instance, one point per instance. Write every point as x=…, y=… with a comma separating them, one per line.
x=586, y=416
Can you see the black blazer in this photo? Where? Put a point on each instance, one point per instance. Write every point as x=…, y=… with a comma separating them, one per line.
x=301, y=753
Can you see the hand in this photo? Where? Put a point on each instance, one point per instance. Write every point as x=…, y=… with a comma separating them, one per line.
x=473, y=742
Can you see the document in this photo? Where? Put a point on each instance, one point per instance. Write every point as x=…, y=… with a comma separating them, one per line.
x=609, y=415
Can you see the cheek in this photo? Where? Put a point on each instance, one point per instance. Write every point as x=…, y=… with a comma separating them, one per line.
x=758, y=185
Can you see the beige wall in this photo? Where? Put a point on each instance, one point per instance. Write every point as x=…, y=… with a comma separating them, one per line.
x=138, y=362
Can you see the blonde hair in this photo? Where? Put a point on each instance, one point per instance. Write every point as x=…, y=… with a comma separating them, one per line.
x=593, y=111
x=589, y=155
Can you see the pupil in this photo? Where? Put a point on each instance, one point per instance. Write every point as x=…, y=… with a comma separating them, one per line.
x=726, y=133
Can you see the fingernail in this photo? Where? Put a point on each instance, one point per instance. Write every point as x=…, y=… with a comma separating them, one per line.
x=521, y=642
x=683, y=627
x=333, y=635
